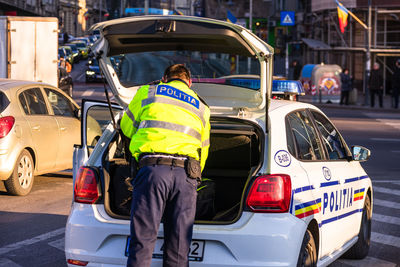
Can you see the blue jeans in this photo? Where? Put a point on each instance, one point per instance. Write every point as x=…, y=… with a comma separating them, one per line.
x=158, y=191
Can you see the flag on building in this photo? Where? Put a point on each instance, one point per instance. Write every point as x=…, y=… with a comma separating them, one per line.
x=342, y=14
x=178, y=12
x=231, y=18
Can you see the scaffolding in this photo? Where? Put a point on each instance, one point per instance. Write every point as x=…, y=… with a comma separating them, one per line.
x=350, y=48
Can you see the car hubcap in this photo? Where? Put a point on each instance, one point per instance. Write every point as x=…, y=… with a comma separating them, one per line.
x=25, y=172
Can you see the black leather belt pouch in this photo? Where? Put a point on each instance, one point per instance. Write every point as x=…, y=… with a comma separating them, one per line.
x=193, y=169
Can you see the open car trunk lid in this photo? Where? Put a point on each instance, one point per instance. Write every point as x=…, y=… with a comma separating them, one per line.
x=126, y=46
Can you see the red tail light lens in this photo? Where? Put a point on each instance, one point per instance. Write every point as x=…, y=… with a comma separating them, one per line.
x=77, y=262
x=86, y=186
x=6, y=123
x=270, y=193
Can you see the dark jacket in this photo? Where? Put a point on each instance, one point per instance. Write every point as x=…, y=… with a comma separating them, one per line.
x=376, y=80
x=346, y=82
x=396, y=80
x=297, y=72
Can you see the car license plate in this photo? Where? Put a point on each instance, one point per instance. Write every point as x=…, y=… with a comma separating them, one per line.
x=195, y=254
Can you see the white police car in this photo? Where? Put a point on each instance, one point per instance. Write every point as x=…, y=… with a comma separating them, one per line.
x=288, y=190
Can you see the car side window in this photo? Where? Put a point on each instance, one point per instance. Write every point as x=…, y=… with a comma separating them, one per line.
x=305, y=136
x=60, y=104
x=330, y=137
x=33, y=102
x=24, y=104
x=289, y=139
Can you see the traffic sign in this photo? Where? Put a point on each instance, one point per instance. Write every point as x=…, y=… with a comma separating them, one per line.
x=287, y=18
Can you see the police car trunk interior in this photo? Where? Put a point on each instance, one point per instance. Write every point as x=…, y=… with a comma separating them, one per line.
x=235, y=154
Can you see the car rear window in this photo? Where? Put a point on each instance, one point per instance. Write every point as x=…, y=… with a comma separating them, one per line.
x=4, y=101
x=205, y=67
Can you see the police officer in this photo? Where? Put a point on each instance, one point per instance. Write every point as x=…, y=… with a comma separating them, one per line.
x=169, y=129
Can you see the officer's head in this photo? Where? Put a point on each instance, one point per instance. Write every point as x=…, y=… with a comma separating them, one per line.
x=177, y=71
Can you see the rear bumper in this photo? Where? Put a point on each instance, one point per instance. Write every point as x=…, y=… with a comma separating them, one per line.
x=254, y=240
x=9, y=152
x=7, y=162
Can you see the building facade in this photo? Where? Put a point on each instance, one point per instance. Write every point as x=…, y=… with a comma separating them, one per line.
x=313, y=38
x=75, y=16
x=322, y=40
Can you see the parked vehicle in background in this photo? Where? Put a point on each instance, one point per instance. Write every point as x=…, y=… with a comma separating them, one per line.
x=92, y=39
x=66, y=53
x=117, y=62
x=69, y=53
x=86, y=40
x=322, y=82
x=65, y=82
x=92, y=73
x=29, y=48
x=76, y=54
x=39, y=125
x=82, y=47
x=61, y=38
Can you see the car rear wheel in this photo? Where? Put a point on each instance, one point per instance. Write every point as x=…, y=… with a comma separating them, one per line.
x=308, y=251
x=360, y=249
x=21, y=180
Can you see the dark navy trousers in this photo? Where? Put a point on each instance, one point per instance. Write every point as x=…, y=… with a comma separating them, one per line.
x=162, y=190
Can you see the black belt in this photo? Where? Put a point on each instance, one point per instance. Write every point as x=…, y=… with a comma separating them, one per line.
x=154, y=160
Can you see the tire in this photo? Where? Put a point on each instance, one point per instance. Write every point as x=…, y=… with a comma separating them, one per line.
x=308, y=251
x=21, y=180
x=360, y=249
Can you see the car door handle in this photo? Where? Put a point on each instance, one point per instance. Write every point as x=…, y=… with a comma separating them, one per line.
x=36, y=128
x=63, y=128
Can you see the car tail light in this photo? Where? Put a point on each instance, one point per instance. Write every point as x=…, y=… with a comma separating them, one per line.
x=6, y=124
x=270, y=193
x=77, y=262
x=86, y=190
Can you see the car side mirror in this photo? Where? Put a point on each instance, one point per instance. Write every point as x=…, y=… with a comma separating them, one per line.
x=360, y=153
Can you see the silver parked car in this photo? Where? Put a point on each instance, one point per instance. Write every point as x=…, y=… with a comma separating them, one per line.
x=39, y=125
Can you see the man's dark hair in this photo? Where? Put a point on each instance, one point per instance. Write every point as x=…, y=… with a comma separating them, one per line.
x=177, y=71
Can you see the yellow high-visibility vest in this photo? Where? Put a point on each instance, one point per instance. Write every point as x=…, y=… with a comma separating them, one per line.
x=168, y=118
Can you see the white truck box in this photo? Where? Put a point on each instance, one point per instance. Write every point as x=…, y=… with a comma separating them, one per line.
x=29, y=48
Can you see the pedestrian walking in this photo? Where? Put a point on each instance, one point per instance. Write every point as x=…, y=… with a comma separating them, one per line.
x=396, y=84
x=376, y=85
x=169, y=128
x=347, y=84
x=296, y=70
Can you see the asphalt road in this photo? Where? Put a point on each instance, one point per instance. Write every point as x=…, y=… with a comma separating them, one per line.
x=32, y=227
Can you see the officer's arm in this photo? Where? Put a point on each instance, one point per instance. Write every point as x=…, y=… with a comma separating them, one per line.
x=205, y=139
x=130, y=119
